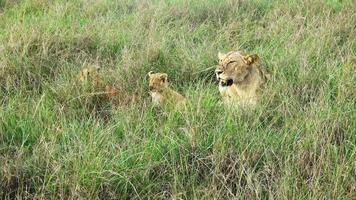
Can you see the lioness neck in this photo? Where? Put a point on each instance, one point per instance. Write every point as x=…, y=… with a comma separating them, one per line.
x=251, y=81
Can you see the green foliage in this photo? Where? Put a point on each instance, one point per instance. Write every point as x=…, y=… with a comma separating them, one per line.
x=60, y=139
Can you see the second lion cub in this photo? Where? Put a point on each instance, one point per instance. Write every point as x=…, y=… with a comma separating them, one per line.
x=161, y=93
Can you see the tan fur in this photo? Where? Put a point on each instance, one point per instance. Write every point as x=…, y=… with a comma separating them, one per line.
x=240, y=78
x=91, y=75
x=161, y=93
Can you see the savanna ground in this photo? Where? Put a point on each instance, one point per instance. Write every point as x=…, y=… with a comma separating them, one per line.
x=61, y=140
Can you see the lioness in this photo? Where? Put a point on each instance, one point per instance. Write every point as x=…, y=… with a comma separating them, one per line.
x=240, y=78
x=161, y=93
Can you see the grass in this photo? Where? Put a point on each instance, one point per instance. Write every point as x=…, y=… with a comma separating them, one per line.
x=57, y=140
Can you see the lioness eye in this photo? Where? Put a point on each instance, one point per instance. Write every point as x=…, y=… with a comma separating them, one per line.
x=231, y=62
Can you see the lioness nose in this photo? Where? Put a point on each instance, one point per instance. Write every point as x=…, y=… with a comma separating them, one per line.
x=151, y=87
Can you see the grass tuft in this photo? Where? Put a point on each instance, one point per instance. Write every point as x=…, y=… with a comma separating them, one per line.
x=60, y=139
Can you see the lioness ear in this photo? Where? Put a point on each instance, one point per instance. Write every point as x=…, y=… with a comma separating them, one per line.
x=221, y=56
x=164, y=77
x=250, y=59
x=150, y=73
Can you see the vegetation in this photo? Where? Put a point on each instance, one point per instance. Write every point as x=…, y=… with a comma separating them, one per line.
x=62, y=140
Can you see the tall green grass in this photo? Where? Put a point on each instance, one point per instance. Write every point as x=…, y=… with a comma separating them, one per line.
x=58, y=140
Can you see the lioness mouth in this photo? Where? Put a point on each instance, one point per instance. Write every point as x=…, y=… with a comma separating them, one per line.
x=225, y=83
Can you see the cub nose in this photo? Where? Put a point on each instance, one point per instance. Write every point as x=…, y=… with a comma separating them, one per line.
x=151, y=87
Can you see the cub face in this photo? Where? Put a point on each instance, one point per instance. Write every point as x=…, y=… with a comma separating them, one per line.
x=157, y=81
x=89, y=73
x=234, y=66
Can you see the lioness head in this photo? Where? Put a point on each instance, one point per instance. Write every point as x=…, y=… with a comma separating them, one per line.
x=234, y=66
x=157, y=81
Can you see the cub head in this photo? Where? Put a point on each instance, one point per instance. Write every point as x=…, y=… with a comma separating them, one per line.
x=89, y=73
x=234, y=66
x=157, y=81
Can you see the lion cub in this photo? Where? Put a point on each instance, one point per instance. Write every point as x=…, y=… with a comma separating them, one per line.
x=240, y=78
x=90, y=75
x=161, y=93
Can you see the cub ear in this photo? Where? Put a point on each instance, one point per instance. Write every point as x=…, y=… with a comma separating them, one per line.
x=221, y=56
x=97, y=68
x=93, y=67
x=164, y=77
x=150, y=73
x=251, y=58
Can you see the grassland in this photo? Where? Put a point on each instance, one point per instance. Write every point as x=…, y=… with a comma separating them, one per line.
x=61, y=141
